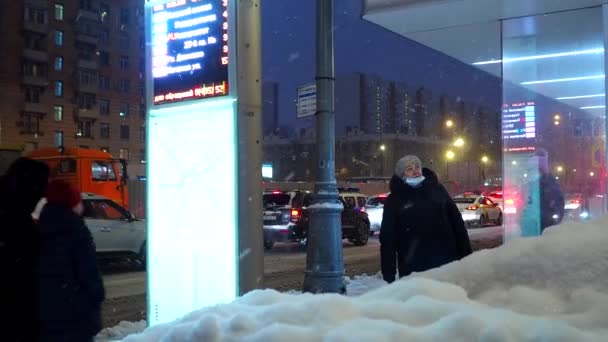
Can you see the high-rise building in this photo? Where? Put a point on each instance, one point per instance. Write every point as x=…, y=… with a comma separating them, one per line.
x=403, y=117
x=376, y=105
x=72, y=74
x=422, y=111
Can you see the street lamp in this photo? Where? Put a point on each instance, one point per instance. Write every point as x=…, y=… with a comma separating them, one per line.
x=449, y=123
x=382, y=149
x=484, y=161
x=449, y=155
x=560, y=169
x=459, y=142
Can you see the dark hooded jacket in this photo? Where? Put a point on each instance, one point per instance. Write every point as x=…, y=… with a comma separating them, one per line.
x=70, y=286
x=421, y=228
x=21, y=187
x=551, y=201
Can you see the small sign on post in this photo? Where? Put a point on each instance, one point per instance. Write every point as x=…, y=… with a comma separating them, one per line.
x=307, y=101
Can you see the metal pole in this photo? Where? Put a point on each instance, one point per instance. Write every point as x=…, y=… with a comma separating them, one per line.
x=249, y=116
x=324, y=261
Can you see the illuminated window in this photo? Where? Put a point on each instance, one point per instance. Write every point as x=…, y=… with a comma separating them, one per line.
x=59, y=138
x=59, y=12
x=58, y=112
x=58, y=65
x=58, y=38
x=58, y=89
x=123, y=153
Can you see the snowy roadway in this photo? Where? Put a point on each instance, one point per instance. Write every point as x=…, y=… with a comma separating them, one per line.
x=284, y=265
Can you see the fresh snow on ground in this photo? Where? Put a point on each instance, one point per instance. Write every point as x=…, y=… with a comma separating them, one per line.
x=548, y=288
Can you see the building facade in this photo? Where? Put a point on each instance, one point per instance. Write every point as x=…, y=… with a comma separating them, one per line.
x=72, y=74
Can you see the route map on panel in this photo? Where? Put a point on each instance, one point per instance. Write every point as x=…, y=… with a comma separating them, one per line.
x=189, y=50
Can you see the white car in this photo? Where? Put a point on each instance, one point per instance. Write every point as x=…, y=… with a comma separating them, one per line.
x=115, y=230
x=478, y=210
x=374, y=208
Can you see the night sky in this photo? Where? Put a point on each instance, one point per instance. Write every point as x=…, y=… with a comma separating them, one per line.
x=288, y=56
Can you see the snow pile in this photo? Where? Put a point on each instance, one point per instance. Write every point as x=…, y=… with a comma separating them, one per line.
x=120, y=331
x=550, y=288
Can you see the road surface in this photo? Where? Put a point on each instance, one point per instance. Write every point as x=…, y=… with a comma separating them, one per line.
x=284, y=269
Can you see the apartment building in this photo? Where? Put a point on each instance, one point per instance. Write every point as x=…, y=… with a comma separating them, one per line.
x=72, y=74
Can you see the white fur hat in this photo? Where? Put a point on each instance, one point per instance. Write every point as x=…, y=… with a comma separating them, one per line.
x=406, y=161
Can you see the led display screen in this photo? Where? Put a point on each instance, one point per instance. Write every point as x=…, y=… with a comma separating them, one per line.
x=189, y=47
x=519, y=126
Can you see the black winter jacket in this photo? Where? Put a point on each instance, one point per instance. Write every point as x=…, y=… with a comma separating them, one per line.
x=421, y=228
x=18, y=301
x=70, y=287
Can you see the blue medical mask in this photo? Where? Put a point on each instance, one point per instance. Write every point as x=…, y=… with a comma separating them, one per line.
x=414, y=182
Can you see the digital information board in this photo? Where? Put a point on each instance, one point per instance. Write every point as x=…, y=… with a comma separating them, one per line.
x=519, y=126
x=192, y=165
x=189, y=50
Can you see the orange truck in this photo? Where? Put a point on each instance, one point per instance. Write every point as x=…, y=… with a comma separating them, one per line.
x=89, y=170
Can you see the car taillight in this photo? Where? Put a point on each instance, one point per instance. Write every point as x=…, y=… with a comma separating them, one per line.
x=510, y=202
x=473, y=207
x=575, y=202
x=295, y=215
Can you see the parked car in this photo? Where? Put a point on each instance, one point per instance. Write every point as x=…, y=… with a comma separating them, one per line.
x=478, y=210
x=286, y=217
x=374, y=208
x=116, y=232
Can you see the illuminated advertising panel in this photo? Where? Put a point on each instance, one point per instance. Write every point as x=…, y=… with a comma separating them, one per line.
x=192, y=191
x=189, y=50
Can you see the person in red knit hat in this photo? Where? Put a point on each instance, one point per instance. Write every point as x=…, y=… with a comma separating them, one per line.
x=70, y=286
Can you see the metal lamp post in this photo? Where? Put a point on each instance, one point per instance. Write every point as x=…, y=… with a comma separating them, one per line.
x=324, y=260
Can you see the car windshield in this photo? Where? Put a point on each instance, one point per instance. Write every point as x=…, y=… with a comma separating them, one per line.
x=464, y=199
x=376, y=201
x=270, y=200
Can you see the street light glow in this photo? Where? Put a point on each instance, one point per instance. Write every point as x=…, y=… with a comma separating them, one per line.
x=450, y=154
x=560, y=169
x=459, y=142
x=449, y=123
x=382, y=147
x=484, y=159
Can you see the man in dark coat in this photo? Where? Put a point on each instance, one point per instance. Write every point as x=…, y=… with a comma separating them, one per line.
x=70, y=286
x=21, y=187
x=421, y=226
